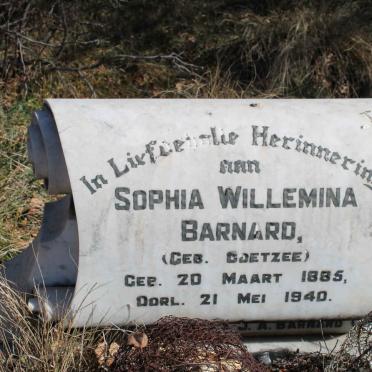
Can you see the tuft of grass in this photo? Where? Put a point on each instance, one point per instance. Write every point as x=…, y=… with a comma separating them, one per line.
x=33, y=343
x=17, y=185
x=302, y=49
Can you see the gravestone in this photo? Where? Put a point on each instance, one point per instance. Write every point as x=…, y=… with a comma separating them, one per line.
x=255, y=211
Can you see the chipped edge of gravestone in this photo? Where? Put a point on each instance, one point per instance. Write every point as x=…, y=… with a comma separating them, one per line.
x=267, y=349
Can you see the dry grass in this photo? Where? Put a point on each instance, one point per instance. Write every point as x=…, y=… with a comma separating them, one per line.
x=31, y=343
x=140, y=48
x=309, y=49
x=355, y=353
x=20, y=212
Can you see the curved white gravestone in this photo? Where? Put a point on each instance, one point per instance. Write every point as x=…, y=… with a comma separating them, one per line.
x=246, y=210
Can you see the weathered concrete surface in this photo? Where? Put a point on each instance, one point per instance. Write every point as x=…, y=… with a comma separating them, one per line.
x=45, y=153
x=52, y=258
x=280, y=345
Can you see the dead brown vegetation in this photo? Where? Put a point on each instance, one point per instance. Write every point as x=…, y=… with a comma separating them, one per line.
x=267, y=48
